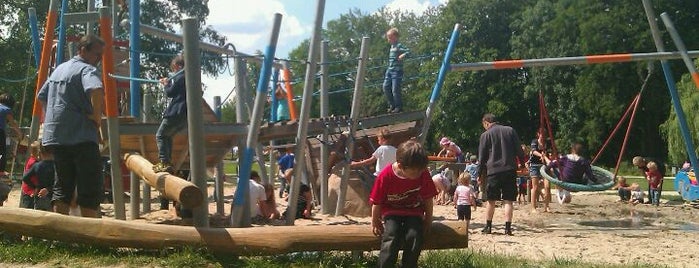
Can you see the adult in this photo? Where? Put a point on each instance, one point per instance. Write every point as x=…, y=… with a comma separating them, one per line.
x=72, y=98
x=175, y=115
x=642, y=164
x=497, y=150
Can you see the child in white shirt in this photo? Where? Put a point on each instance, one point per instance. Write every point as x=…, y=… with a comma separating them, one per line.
x=464, y=198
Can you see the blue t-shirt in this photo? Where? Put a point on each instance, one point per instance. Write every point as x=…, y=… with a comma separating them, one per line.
x=4, y=112
x=66, y=95
x=286, y=162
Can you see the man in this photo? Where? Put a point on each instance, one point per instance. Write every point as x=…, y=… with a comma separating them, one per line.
x=642, y=164
x=498, y=147
x=72, y=98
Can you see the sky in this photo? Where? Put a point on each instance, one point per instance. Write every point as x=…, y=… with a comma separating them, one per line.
x=248, y=26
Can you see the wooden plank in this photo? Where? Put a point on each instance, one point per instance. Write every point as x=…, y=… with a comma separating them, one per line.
x=236, y=241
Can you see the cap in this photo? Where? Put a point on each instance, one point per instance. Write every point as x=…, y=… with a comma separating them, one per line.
x=444, y=141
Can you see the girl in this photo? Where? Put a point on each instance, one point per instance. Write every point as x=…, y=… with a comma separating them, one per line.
x=270, y=210
x=464, y=198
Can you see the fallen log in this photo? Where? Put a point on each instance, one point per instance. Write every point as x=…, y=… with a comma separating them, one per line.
x=239, y=241
x=172, y=187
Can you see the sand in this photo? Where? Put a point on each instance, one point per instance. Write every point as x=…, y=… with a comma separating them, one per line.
x=595, y=227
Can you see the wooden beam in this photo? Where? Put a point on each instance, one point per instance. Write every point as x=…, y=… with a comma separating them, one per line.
x=238, y=241
x=173, y=187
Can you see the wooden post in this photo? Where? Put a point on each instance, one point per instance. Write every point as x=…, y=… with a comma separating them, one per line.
x=173, y=187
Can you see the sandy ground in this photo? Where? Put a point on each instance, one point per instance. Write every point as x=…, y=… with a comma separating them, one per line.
x=595, y=227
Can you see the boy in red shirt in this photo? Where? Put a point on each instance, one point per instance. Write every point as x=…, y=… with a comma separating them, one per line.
x=655, y=179
x=402, y=197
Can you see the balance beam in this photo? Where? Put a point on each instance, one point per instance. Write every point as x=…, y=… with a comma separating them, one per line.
x=172, y=187
x=239, y=241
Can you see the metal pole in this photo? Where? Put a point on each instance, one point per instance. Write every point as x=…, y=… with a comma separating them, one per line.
x=91, y=8
x=241, y=212
x=273, y=96
x=135, y=194
x=578, y=60
x=112, y=111
x=670, y=80
x=354, y=116
x=36, y=42
x=147, y=100
x=220, y=175
x=60, y=47
x=135, y=56
x=293, y=114
x=115, y=21
x=305, y=114
x=241, y=115
x=195, y=121
x=680, y=47
x=43, y=74
x=439, y=83
x=324, y=113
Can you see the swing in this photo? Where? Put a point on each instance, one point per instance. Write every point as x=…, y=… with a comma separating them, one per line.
x=605, y=180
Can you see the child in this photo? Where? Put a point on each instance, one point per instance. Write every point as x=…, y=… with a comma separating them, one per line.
x=383, y=156
x=655, y=180
x=624, y=190
x=464, y=198
x=402, y=203
x=42, y=189
x=394, y=73
x=270, y=209
x=450, y=149
x=6, y=104
x=26, y=199
x=285, y=165
x=304, y=204
x=636, y=194
x=521, y=190
x=282, y=104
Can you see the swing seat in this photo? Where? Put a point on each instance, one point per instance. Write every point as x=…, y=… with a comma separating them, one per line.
x=605, y=181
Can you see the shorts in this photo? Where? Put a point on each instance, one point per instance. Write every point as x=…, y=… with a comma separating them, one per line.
x=502, y=186
x=78, y=166
x=535, y=170
x=463, y=212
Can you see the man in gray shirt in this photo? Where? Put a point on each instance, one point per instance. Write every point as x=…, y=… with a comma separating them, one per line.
x=72, y=98
x=498, y=147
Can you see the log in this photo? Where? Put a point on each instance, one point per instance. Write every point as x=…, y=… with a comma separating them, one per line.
x=172, y=187
x=239, y=241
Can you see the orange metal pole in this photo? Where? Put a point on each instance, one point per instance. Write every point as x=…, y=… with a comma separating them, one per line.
x=111, y=109
x=49, y=34
x=290, y=94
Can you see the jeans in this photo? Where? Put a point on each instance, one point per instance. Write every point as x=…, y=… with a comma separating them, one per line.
x=655, y=197
x=405, y=232
x=391, y=88
x=168, y=128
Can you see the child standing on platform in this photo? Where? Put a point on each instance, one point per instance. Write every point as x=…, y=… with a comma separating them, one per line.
x=402, y=205
x=464, y=198
x=394, y=73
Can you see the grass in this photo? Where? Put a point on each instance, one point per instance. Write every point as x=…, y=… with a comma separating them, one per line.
x=50, y=253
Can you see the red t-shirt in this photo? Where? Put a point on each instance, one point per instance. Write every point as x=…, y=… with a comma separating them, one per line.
x=401, y=196
x=654, y=179
x=26, y=189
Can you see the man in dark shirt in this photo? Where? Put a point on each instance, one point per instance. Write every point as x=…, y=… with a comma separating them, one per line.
x=499, y=146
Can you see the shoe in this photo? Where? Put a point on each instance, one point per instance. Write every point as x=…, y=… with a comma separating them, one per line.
x=508, y=232
x=396, y=110
x=486, y=230
x=163, y=167
x=390, y=110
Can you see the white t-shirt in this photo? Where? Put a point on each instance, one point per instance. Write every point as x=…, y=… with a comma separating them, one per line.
x=464, y=195
x=257, y=193
x=385, y=155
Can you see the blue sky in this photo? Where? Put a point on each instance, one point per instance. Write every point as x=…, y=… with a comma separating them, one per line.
x=247, y=24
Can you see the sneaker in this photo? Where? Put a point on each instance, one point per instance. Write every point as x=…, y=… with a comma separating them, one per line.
x=163, y=167
x=390, y=110
x=396, y=110
x=486, y=230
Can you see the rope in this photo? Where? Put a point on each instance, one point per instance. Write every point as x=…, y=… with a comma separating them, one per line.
x=25, y=79
x=119, y=77
x=616, y=128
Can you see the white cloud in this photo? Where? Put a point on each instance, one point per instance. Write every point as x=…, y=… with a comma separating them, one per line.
x=415, y=6
x=249, y=29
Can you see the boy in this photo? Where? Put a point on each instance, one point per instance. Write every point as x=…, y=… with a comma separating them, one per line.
x=26, y=199
x=175, y=115
x=286, y=170
x=383, y=156
x=655, y=180
x=402, y=197
x=43, y=188
x=394, y=73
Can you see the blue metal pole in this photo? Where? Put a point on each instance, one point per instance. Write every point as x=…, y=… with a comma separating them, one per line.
x=61, y=33
x=440, y=81
x=275, y=102
x=241, y=212
x=135, y=56
x=670, y=80
x=36, y=43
